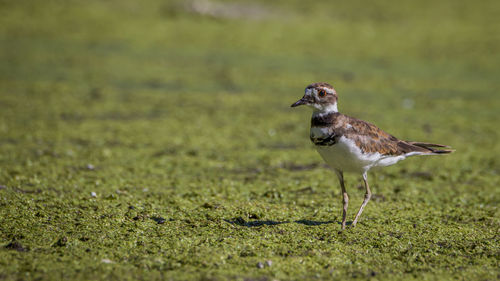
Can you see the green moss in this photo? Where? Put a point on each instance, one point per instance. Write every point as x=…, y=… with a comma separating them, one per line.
x=142, y=141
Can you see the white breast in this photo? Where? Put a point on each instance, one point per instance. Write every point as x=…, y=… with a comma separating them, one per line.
x=319, y=132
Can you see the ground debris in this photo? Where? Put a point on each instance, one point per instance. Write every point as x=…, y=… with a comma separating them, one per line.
x=61, y=242
x=379, y=198
x=159, y=220
x=307, y=189
x=208, y=205
x=422, y=175
x=16, y=245
x=227, y=10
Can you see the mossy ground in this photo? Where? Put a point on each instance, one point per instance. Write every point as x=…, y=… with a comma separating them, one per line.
x=139, y=140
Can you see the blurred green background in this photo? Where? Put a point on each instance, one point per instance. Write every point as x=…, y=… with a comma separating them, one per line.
x=154, y=139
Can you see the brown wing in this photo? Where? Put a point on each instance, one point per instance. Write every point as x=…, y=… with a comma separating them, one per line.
x=372, y=139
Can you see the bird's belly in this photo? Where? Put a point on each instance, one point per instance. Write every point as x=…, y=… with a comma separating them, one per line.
x=344, y=155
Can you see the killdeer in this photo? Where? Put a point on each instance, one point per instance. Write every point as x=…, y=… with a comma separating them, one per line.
x=348, y=144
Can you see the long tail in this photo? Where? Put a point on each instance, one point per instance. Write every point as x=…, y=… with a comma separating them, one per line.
x=432, y=147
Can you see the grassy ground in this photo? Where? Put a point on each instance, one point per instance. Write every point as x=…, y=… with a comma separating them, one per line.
x=145, y=140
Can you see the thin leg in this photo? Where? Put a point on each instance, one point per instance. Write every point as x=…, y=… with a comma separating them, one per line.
x=368, y=195
x=345, y=197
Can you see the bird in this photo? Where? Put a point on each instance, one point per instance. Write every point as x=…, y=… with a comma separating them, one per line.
x=352, y=145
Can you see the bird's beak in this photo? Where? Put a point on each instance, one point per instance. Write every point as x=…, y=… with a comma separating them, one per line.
x=302, y=101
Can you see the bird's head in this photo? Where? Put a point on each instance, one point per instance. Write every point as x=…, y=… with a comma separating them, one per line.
x=320, y=96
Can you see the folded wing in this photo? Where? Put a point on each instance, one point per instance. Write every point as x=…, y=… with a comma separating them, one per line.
x=372, y=139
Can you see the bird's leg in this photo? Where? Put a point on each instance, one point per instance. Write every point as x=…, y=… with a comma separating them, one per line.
x=368, y=195
x=345, y=197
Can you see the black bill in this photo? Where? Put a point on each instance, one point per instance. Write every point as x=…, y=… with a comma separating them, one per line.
x=302, y=101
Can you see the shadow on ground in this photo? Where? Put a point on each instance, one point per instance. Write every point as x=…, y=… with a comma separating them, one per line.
x=241, y=222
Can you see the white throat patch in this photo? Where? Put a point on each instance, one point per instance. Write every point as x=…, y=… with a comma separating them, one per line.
x=320, y=111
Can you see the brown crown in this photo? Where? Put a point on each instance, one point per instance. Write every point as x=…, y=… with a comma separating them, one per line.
x=320, y=84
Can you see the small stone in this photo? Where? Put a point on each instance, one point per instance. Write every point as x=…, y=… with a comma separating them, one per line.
x=106, y=261
x=93, y=194
x=90, y=167
x=269, y=262
x=260, y=265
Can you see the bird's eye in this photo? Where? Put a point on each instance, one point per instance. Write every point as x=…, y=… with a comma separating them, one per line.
x=321, y=93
